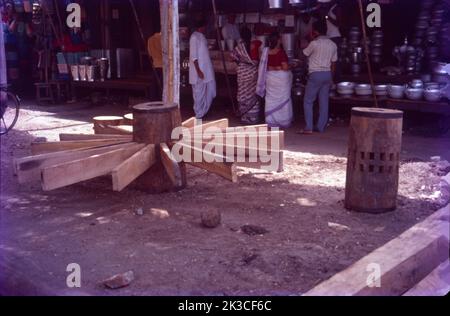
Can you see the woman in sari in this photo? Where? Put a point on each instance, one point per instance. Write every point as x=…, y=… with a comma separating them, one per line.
x=275, y=82
x=246, y=55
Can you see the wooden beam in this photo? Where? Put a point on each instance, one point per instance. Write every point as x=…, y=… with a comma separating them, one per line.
x=437, y=283
x=133, y=167
x=221, y=124
x=216, y=163
x=49, y=147
x=403, y=262
x=28, y=169
x=65, y=174
x=189, y=123
x=171, y=165
x=119, y=130
x=73, y=137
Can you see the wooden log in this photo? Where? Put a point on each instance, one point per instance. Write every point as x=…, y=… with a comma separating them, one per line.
x=171, y=165
x=373, y=160
x=189, y=123
x=133, y=167
x=68, y=173
x=77, y=137
x=153, y=124
x=28, y=169
x=49, y=147
x=221, y=124
x=213, y=163
x=403, y=262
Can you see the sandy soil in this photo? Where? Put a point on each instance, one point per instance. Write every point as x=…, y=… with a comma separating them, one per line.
x=167, y=248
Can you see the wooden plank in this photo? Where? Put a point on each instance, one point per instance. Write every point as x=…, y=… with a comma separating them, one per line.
x=216, y=163
x=221, y=124
x=189, y=123
x=437, y=283
x=65, y=174
x=28, y=169
x=119, y=130
x=171, y=165
x=49, y=147
x=73, y=137
x=403, y=262
x=133, y=167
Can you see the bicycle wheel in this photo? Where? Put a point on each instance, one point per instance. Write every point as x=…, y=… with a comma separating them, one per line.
x=9, y=111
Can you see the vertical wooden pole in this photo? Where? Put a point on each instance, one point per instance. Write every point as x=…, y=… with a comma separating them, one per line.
x=170, y=50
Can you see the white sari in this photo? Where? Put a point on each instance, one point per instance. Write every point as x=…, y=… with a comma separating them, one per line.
x=276, y=86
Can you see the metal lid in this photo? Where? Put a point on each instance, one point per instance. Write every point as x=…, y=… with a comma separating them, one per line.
x=155, y=107
x=377, y=113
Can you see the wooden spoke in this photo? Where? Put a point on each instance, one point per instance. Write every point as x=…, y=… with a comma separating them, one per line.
x=133, y=167
x=48, y=147
x=68, y=173
x=72, y=137
x=189, y=123
x=171, y=165
x=213, y=163
x=221, y=124
x=29, y=168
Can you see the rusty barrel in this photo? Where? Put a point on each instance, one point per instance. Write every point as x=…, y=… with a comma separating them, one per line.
x=373, y=160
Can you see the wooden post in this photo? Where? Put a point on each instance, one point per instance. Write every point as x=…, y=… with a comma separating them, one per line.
x=170, y=50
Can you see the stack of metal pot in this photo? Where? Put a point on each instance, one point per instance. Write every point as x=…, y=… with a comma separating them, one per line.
x=376, y=46
x=355, y=50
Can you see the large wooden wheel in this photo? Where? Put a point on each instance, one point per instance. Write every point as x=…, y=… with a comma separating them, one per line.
x=142, y=153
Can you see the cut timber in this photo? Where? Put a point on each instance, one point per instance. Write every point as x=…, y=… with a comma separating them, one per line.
x=128, y=119
x=73, y=137
x=213, y=163
x=117, y=130
x=437, y=283
x=403, y=262
x=171, y=165
x=221, y=124
x=48, y=147
x=133, y=167
x=29, y=168
x=189, y=123
x=65, y=174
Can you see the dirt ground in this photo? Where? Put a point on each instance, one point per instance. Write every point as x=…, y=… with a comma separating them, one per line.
x=167, y=248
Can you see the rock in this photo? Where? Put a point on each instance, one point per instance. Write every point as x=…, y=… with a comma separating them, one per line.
x=252, y=230
x=140, y=211
x=211, y=218
x=338, y=226
x=379, y=229
x=119, y=280
x=446, y=178
x=436, y=158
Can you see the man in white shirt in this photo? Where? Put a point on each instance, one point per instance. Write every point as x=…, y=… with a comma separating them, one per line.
x=230, y=30
x=201, y=71
x=322, y=57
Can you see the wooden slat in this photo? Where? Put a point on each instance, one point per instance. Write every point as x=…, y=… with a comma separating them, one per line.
x=65, y=174
x=189, y=123
x=119, y=130
x=28, y=169
x=171, y=165
x=437, y=283
x=403, y=262
x=49, y=147
x=76, y=137
x=221, y=124
x=218, y=165
x=133, y=167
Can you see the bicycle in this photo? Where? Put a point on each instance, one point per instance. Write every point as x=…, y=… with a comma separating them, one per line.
x=9, y=109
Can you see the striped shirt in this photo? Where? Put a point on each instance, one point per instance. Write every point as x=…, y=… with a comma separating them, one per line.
x=321, y=52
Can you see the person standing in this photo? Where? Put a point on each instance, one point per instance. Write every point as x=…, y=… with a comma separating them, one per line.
x=247, y=76
x=322, y=57
x=275, y=82
x=154, y=47
x=230, y=30
x=201, y=71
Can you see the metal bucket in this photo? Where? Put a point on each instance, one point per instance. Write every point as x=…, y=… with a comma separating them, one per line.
x=288, y=40
x=276, y=4
x=75, y=72
x=82, y=70
x=103, y=64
